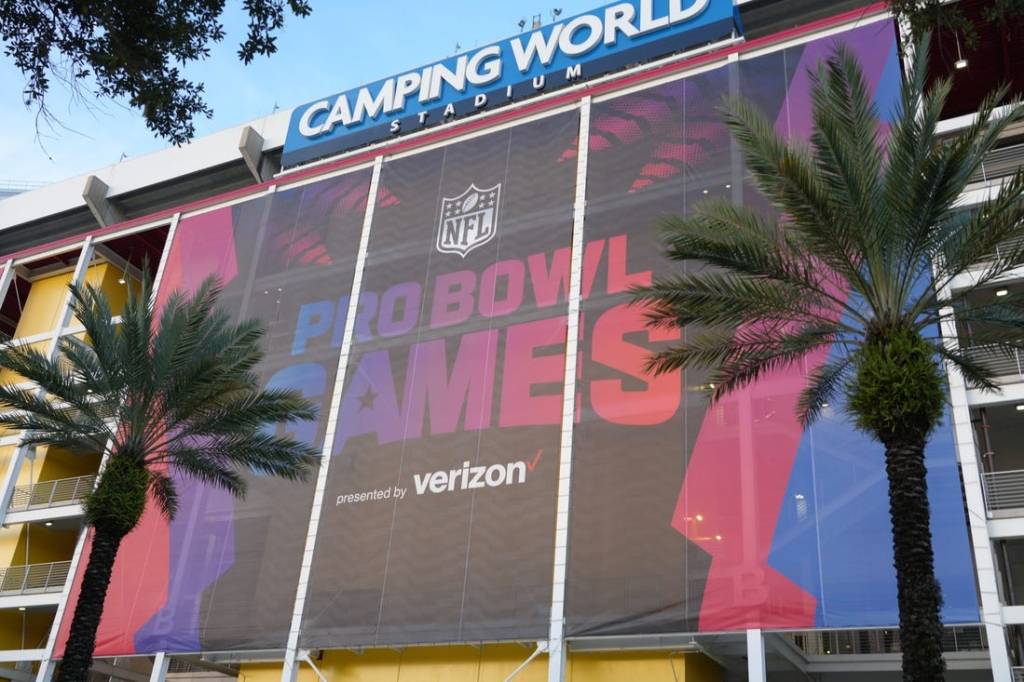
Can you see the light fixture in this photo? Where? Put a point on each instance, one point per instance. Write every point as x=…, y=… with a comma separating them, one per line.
x=1020, y=408
x=706, y=191
x=48, y=524
x=960, y=63
x=21, y=608
x=799, y=496
x=718, y=537
x=728, y=186
x=1002, y=292
x=824, y=404
x=699, y=517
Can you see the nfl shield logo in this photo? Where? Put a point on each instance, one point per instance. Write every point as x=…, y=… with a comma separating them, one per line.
x=468, y=220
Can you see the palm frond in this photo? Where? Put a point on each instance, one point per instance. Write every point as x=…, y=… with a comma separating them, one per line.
x=975, y=374
x=788, y=177
x=823, y=385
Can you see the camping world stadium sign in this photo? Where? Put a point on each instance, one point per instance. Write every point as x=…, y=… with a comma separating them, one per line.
x=579, y=48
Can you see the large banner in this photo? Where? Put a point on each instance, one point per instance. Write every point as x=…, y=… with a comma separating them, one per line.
x=223, y=575
x=687, y=517
x=437, y=523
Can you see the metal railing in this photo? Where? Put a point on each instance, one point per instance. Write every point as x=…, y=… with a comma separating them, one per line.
x=34, y=578
x=1018, y=675
x=1004, y=489
x=1007, y=249
x=1000, y=163
x=1001, y=362
x=886, y=641
x=54, y=493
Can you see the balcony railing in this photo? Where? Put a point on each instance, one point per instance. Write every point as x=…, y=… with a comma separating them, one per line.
x=1000, y=163
x=52, y=493
x=1001, y=362
x=1018, y=675
x=34, y=578
x=835, y=642
x=1004, y=489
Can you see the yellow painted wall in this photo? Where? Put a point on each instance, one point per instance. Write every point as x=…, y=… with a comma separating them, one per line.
x=9, y=535
x=38, y=544
x=56, y=464
x=645, y=666
x=8, y=377
x=105, y=277
x=36, y=625
x=493, y=664
x=42, y=306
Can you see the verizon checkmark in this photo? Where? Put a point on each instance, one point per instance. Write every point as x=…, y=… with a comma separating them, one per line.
x=536, y=458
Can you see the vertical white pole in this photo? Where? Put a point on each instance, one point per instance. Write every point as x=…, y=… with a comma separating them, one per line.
x=556, y=635
x=162, y=265
x=290, y=669
x=977, y=515
x=161, y=662
x=756, y=668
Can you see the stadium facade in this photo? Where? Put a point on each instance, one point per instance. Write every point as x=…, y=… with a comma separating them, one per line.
x=443, y=260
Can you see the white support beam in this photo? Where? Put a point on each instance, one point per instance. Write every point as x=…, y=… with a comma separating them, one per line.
x=67, y=511
x=556, y=633
x=1013, y=615
x=290, y=670
x=24, y=601
x=1006, y=395
x=20, y=655
x=977, y=514
x=757, y=671
x=1010, y=527
x=95, y=193
x=158, y=278
x=161, y=663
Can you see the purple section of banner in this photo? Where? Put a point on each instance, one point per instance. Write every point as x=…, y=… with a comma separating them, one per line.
x=202, y=549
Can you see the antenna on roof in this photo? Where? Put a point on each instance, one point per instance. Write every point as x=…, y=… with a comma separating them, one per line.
x=536, y=21
x=555, y=13
x=522, y=25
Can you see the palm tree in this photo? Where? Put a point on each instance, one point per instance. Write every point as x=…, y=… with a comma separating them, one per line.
x=860, y=263
x=174, y=395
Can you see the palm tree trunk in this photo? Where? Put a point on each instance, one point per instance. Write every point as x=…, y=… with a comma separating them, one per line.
x=920, y=597
x=78, y=652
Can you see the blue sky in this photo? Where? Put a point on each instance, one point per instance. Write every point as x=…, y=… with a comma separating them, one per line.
x=343, y=44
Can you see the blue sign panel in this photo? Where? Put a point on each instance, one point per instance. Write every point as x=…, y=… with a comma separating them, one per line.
x=579, y=48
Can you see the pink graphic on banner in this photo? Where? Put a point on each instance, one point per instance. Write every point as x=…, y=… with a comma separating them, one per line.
x=741, y=463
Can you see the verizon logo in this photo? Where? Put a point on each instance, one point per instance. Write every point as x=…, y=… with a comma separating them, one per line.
x=470, y=478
